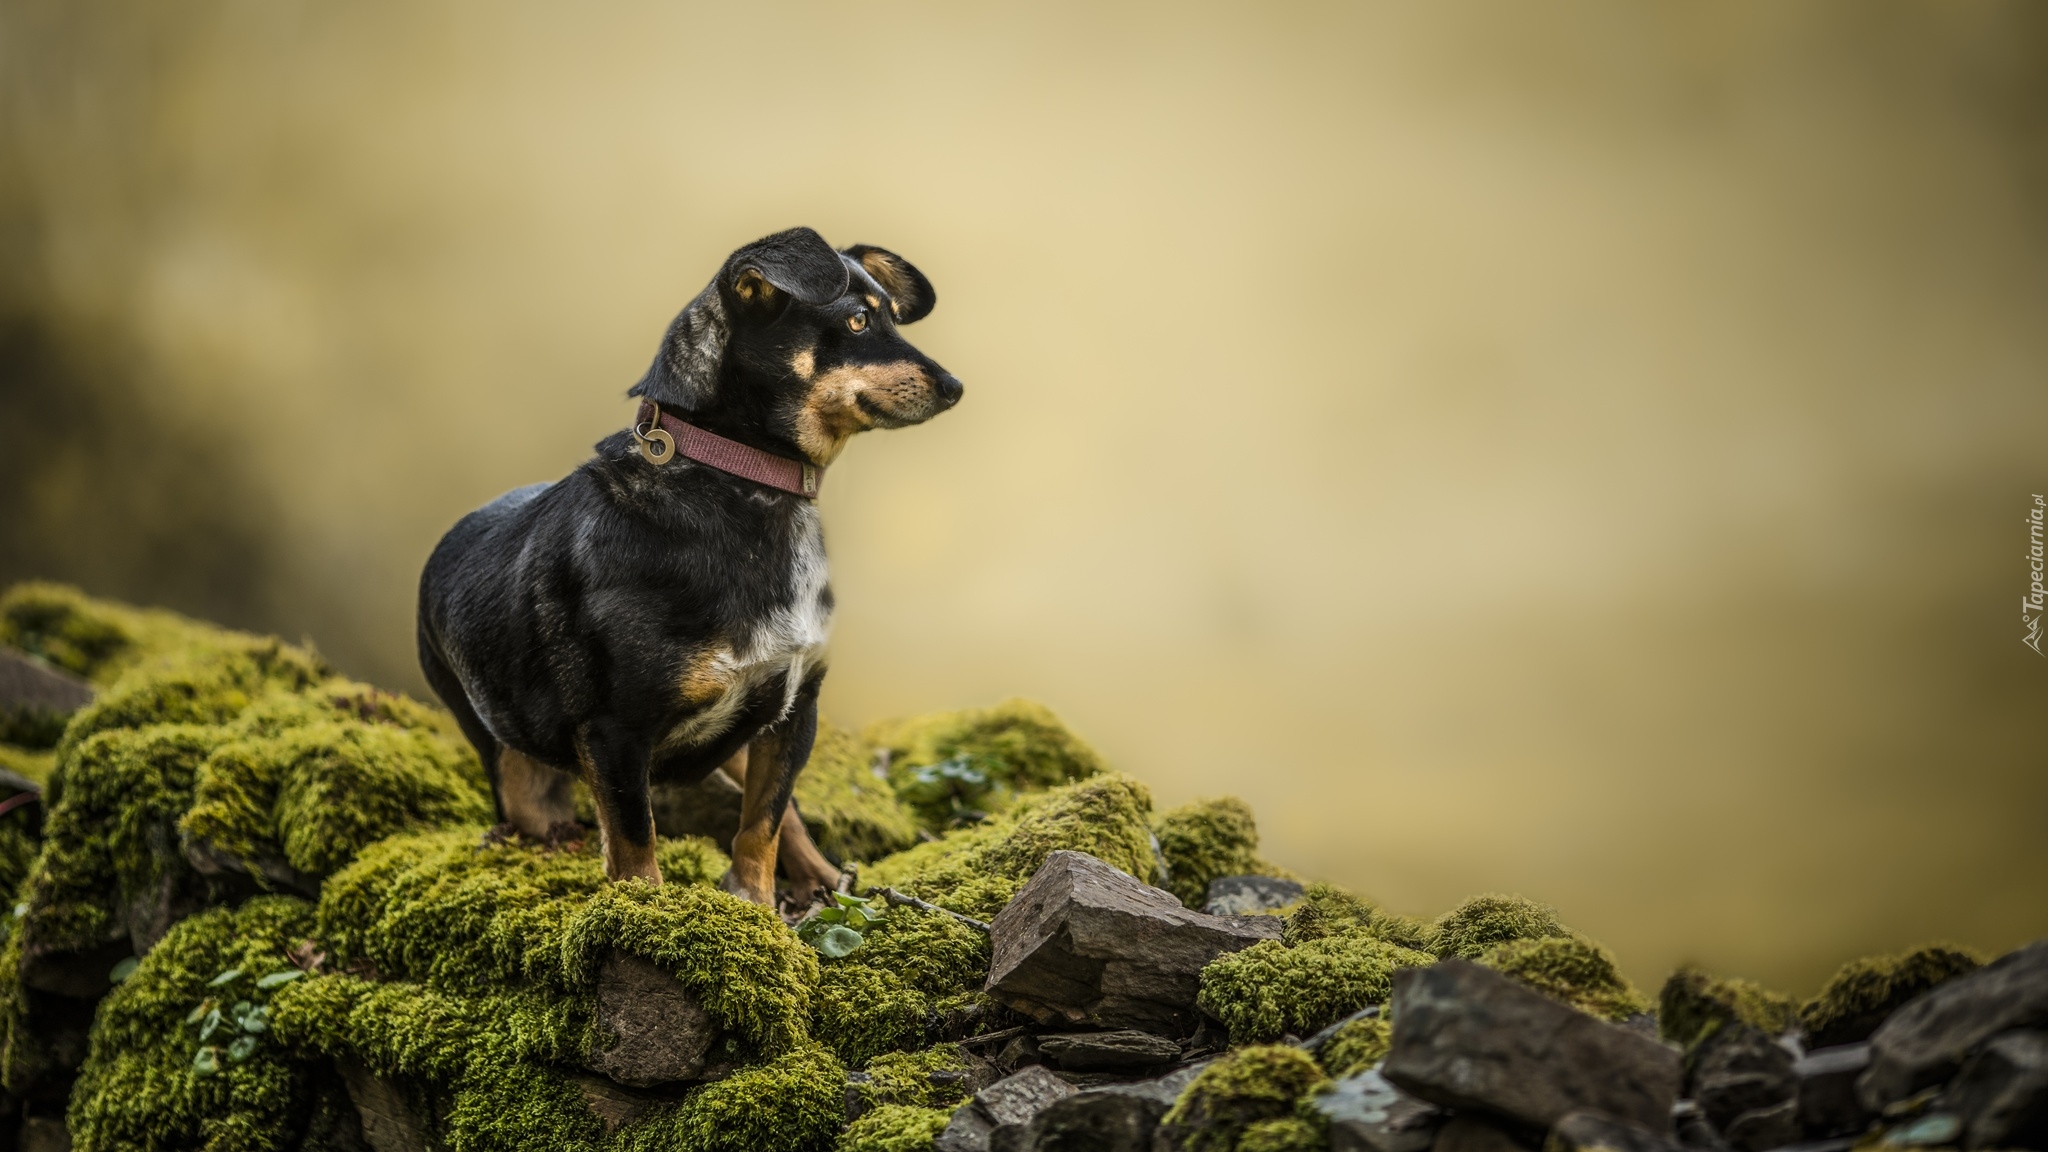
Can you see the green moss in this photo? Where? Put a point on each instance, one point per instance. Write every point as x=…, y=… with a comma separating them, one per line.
x=852, y=814
x=860, y=1012
x=1247, y=1087
x=1474, y=927
x=96, y=639
x=894, y=1128
x=1205, y=840
x=138, y=1087
x=906, y=1078
x=979, y=758
x=1863, y=992
x=1357, y=1046
x=794, y=1102
x=1572, y=969
x=1269, y=989
x=33, y=763
x=1692, y=1005
x=1286, y=1134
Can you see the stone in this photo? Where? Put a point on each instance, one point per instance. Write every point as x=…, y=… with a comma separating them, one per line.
x=650, y=1029
x=1249, y=895
x=1083, y=943
x=1827, y=1090
x=1004, y=1107
x=1924, y=1043
x=1117, y=1118
x=44, y=1134
x=710, y=807
x=1366, y=1113
x=1738, y=1071
x=2001, y=1095
x=1472, y=1134
x=1693, y=1129
x=1098, y=1051
x=615, y=1107
x=31, y=685
x=389, y=1122
x=1599, y=1132
x=1470, y=1039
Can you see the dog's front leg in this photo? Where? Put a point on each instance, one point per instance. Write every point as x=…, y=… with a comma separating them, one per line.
x=773, y=761
x=615, y=767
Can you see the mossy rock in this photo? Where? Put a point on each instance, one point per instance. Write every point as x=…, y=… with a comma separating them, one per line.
x=1251, y=1088
x=978, y=760
x=1207, y=840
x=1863, y=992
x=852, y=813
x=1358, y=1045
x=1269, y=989
x=96, y=639
x=1571, y=969
x=1693, y=1005
x=895, y=1128
x=1474, y=927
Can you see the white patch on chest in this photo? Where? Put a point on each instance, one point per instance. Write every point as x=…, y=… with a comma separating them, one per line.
x=790, y=642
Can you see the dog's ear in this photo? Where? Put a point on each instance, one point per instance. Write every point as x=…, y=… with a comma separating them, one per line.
x=910, y=294
x=797, y=262
x=685, y=372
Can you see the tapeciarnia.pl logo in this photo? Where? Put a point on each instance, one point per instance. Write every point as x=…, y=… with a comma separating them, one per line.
x=2036, y=598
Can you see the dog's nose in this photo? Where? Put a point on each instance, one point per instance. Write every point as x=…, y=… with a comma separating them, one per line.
x=949, y=388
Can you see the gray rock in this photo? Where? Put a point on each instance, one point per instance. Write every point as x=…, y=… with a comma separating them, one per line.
x=1827, y=1090
x=1083, y=943
x=2002, y=1093
x=29, y=684
x=614, y=1107
x=1005, y=1107
x=1367, y=1113
x=1599, y=1132
x=1099, y=1051
x=1925, y=1042
x=390, y=1123
x=1472, y=1134
x=1119, y=1118
x=1470, y=1039
x=650, y=1029
x=1249, y=895
x=1743, y=1081
x=1693, y=1130
x=1314, y=1044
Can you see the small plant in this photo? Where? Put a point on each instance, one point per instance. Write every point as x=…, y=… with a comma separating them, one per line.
x=951, y=789
x=245, y=1020
x=835, y=930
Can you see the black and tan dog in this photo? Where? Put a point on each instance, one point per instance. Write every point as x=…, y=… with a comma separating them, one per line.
x=662, y=611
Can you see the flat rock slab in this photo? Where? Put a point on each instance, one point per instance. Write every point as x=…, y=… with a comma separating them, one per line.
x=29, y=684
x=1470, y=1039
x=1745, y=1084
x=1103, y=1051
x=1249, y=895
x=1118, y=1118
x=389, y=1122
x=1925, y=1042
x=2001, y=1096
x=1827, y=1090
x=1004, y=1108
x=1083, y=943
x=1599, y=1132
x=650, y=1029
x=1366, y=1113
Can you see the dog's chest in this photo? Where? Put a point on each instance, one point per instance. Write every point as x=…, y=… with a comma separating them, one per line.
x=787, y=640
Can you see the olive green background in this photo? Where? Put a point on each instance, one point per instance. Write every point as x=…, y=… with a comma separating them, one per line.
x=1577, y=450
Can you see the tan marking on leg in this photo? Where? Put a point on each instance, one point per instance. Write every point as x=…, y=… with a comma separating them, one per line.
x=536, y=797
x=753, y=848
x=622, y=857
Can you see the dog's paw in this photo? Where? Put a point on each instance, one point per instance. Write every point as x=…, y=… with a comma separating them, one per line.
x=500, y=834
x=565, y=836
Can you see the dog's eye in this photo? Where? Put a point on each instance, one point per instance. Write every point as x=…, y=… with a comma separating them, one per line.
x=858, y=322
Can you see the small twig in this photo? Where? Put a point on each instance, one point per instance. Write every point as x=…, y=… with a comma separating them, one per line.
x=1005, y=1034
x=902, y=901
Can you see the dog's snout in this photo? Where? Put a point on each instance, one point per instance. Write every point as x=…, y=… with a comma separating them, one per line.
x=949, y=389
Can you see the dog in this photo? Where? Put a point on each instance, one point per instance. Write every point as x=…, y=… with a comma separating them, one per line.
x=662, y=611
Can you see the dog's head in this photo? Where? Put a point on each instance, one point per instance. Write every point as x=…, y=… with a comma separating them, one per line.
x=797, y=343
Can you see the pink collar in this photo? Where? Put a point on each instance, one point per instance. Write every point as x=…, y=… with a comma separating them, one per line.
x=662, y=438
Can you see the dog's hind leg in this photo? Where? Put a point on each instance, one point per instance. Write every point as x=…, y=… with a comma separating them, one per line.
x=799, y=856
x=615, y=766
x=533, y=797
x=773, y=761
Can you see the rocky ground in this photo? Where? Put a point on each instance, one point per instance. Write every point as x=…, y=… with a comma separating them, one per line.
x=258, y=907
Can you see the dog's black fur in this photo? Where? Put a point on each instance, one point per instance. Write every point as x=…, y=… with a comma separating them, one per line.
x=636, y=620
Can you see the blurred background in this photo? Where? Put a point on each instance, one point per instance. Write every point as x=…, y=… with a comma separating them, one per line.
x=1576, y=450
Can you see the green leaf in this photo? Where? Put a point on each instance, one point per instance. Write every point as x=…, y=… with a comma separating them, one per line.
x=200, y=1012
x=124, y=969
x=241, y=1048
x=212, y=1022
x=227, y=977
x=256, y=1021
x=206, y=1061
x=279, y=979
x=837, y=941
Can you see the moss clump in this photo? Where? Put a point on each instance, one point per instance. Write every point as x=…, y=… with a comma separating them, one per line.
x=1572, y=969
x=1692, y=1005
x=1357, y=1046
x=139, y=1087
x=895, y=1128
x=1474, y=927
x=1248, y=1087
x=796, y=1101
x=1269, y=989
x=30, y=763
x=96, y=639
x=861, y=1012
x=1325, y=911
x=933, y=1078
x=851, y=812
x=1863, y=992
x=977, y=760
x=1287, y=1134
x=1205, y=840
